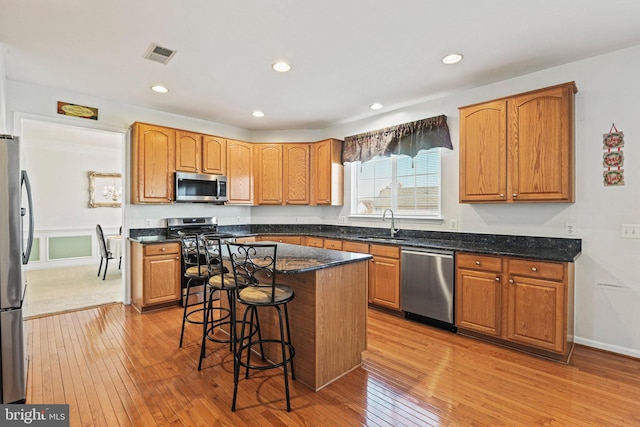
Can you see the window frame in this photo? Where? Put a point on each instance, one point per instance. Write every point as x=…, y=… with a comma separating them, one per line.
x=355, y=166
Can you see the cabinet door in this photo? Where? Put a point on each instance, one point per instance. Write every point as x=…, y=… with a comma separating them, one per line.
x=536, y=313
x=296, y=174
x=161, y=279
x=214, y=155
x=188, y=151
x=479, y=301
x=327, y=173
x=483, y=152
x=152, y=164
x=269, y=174
x=384, y=282
x=541, y=145
x=239, y=172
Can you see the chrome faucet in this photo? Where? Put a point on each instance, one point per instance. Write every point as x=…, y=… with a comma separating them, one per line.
x=394, y=230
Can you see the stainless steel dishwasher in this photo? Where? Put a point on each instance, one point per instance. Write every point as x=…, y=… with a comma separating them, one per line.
x=427, y=286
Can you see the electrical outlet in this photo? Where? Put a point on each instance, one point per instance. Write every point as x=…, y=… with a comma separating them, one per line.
x=238, y=220
x=569, y=229
x=342, y=219
x=453, y=224
x=297, y=219
x=147, y=222
x=630, y=231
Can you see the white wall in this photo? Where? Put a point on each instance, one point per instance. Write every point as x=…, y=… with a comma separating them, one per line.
x=606, y=316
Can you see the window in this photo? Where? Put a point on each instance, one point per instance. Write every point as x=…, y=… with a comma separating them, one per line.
x=409, y=186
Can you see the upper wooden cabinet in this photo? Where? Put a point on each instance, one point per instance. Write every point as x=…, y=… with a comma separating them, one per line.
x=214, y=155
x=239, y=172
x=268, y=174
x=152, y=163
x=295, y=162
x=519, y=149
x=200, y=153
x=327, y=173
x=282, y=174
x=188, y=147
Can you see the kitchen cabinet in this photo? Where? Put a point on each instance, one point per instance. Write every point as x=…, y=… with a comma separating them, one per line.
x=268, y=182
x=214, y=155
x=479, y=293
x=188, y=147
x=316, y=242
x=239, y=172
x=155, y=275
x=327, y=173
x=294, y=240
x=282, y=174
x=358, y=247
x=152, y=163
x=296, y=173
x=334, y=244
x=384, y=276
x=519, y=149
x=521, y=302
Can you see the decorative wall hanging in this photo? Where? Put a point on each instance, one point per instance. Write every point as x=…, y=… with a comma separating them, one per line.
x=74, y=110
x=105, y=190
x=613, y=157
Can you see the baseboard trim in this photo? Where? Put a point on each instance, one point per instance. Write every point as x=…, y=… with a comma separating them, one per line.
x=607, y=347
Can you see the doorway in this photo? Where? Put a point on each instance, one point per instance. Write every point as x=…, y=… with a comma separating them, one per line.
x=62, y=270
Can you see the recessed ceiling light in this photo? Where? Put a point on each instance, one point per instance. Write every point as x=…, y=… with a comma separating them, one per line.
x=159, y=89
x=258, y=114
x=452, y=58
x=281, y=67
x=376, y=106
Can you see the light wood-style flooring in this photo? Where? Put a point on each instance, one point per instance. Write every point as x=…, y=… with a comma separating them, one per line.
x=114, y=366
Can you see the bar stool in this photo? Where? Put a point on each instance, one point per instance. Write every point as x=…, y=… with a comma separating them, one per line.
x=254, y=269
x=197, y=273
x=219, y=281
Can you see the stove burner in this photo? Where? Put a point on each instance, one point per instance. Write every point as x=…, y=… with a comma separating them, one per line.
x=177, y=227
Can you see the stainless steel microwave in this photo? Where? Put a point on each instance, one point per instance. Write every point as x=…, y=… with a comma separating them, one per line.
x=200, y=188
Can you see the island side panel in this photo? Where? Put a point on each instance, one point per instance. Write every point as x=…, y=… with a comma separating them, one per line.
x=341, y=316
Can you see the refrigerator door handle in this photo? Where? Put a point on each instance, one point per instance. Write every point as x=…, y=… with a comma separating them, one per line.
x=27, y=252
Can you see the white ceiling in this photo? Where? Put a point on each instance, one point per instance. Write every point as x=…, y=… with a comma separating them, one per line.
x=345, y=54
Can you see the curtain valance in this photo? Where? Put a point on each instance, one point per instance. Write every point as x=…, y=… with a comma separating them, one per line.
x=407, y=138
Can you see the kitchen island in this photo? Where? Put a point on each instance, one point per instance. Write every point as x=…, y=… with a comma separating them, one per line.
x=328, y=315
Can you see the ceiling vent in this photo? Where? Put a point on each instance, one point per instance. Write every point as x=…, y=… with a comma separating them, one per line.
x=159, y=54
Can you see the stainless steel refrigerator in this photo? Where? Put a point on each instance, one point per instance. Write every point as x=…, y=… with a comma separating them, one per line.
x=16, y=238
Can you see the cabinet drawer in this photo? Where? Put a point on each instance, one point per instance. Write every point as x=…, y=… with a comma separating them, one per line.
x=533, y=268
x=316, y=242
x=362, y=248
x=161, y=249
x=333, y=244
x=480, y=262
x=385, y=251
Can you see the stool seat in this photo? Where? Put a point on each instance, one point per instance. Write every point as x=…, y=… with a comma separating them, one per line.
x=221, y=282
x=197, y=272
x=262, y=294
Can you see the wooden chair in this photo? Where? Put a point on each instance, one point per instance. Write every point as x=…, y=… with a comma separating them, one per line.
x=105, y=253
x=254, y=270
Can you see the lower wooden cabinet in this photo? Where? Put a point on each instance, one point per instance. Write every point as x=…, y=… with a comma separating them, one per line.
x=294, y=240
x=384, y=276
x=316, y=242
x=155, y=275
x=521, y=302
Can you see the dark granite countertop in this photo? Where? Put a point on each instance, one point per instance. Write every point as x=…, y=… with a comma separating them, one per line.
x=294, y=259
x=542, y=248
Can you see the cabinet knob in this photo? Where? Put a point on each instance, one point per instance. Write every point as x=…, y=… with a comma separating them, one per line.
x=164, y=249
x=497, y=279
x=502, y=195
x=510, y=280
x=477, y=262
x=177, y=257
x=515, y=194
x=534, y=269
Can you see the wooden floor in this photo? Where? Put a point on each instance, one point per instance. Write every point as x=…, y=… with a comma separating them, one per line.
x=114, y=366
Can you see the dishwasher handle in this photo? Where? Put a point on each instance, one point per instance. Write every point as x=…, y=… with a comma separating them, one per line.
x=433, y=253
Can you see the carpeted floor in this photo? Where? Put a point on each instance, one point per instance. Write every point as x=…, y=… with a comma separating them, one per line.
x=66, y=289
